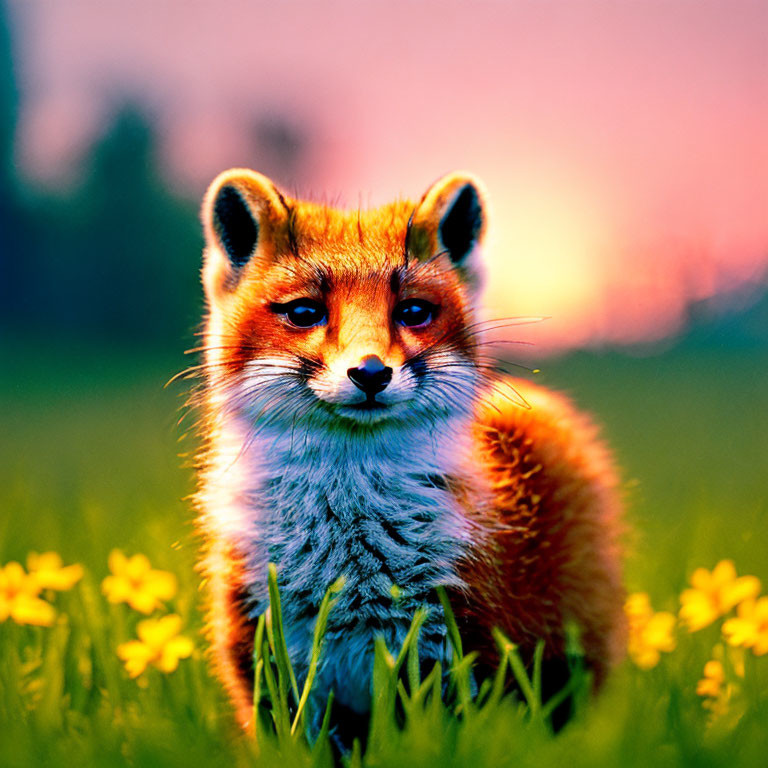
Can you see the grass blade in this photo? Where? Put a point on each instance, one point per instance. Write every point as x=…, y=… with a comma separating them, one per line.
x=538, y=658
x=509, y=649
x=384, y=695
x=321, y=624
x=419, y=617
x=320, y=751
x=277, y=637
x=258, y=664
x=279, y=705
x=450, y=623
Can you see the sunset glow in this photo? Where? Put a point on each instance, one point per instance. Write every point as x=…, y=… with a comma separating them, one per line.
x=546, y=255
x=623, y=145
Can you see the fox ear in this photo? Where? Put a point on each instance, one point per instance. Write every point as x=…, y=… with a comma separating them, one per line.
x=241, y=212
x=451, y=219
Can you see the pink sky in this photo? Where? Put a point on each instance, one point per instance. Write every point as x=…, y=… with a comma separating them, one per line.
x=624, y=144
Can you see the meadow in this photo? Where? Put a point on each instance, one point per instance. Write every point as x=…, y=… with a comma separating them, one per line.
x=90, y=462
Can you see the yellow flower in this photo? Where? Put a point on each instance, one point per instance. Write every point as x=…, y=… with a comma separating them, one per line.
x=714, y=594
x=750, y=626
x=49, y=572
x=159, y=644
x=714, y=677
x=19, y=598
x=134, y=582
x=718, y=692
x=649, y=633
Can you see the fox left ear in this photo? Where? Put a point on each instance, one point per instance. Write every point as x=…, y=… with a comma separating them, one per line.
x=450, y=219
x=244, y=218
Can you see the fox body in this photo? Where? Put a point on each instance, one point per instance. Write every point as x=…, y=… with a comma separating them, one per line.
x=354, y=427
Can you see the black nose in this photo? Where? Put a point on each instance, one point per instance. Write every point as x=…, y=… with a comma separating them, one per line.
x=371, y=375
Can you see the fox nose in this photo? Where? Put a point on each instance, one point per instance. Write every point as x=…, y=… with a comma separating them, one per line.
x=371, y=375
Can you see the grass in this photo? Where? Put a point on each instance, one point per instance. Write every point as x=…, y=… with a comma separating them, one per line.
x=89, y=462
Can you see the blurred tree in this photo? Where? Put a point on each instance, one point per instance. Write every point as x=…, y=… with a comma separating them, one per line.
x=115, y=260
x=9, y=97
x=279, y=149
x=732, y=320
x=11, y=220
x=131, y=254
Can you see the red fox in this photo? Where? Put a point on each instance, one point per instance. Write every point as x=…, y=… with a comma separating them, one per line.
x=354, y=427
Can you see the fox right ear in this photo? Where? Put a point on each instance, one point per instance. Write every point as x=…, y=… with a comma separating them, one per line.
x=450, y=219
x=240, y=214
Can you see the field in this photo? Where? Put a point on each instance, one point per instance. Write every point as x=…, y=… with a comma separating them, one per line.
x=89, y=462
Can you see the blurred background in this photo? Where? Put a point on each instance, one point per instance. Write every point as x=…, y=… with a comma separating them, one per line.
x=625, y=150
x=623, y=145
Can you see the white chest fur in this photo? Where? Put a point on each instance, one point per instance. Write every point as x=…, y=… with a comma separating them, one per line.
x=377, y=511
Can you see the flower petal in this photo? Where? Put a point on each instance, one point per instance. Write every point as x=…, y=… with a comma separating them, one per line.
x=177, y=648
x=740, y=632
x=162, y=584
x=741, y=589
x=117, y=562
x=659, y=631
x=723, y=573
x=26, y=609
x=61, y=579
x=645, y=657
x=697, y=610
x=638, y=606
x=116, y=588
x=143, y=602
x=136, y=656
x=137, y=567
x=701, y=579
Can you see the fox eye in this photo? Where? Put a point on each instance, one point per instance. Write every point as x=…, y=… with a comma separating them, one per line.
x=303, y=313
x=414, y=313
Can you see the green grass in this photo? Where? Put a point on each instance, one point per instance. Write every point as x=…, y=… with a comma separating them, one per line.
x=89, y=461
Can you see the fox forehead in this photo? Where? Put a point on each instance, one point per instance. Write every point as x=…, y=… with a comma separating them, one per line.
x=323, y=251
x=359, y=239
x=320, y=250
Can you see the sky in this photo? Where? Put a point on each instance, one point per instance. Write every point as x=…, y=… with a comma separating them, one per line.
x=623, y=144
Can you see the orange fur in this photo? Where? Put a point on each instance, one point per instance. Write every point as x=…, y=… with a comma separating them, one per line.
x=228, y=630
x=555, y=540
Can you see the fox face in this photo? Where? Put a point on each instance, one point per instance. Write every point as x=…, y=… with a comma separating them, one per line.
x=352, y=320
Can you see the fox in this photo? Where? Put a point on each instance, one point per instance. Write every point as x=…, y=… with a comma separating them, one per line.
x=354, y=426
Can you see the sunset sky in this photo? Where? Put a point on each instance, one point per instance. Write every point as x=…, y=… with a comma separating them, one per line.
x=624, y=144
